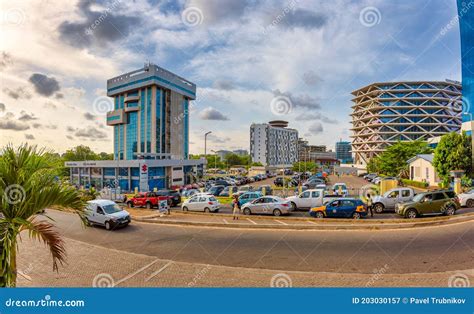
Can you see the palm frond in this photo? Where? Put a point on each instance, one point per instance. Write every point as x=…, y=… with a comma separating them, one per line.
x=46, y=233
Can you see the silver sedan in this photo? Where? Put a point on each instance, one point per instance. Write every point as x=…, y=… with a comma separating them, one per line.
x=273, y=205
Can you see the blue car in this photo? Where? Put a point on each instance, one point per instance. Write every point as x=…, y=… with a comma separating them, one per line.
x=340, y=208
x=248, y=197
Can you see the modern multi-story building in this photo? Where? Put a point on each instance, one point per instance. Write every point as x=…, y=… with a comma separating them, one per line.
x=273, y=144
x=344, y=152
x=305, y=149
x=384, y=113
x=151, y=133
x=466, y=23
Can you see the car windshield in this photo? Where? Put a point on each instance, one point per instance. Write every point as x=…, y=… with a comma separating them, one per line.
x=112, y=208
x=418, y=197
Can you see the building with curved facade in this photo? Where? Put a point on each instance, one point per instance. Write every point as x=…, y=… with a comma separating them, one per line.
x=385, y=113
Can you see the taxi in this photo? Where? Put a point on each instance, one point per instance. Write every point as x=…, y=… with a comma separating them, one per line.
x=340, y=208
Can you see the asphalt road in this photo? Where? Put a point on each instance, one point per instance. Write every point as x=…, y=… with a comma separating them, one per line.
x=433, y=249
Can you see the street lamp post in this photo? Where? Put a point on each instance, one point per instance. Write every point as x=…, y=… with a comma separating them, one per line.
x=205, y=145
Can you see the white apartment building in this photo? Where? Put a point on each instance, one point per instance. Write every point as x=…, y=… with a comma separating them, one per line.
x=273, y=144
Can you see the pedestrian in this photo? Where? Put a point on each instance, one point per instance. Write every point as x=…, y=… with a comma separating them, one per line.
x=369, y=205
x=235, y=208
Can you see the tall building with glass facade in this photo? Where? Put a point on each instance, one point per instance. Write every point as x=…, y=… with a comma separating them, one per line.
x=466, y=24
x=344, y=152
x=384, y=113
x=151, y=134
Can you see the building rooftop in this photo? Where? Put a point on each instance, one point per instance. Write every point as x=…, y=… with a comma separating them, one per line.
x=447, y=82
x=150, y=74
x=427, y=157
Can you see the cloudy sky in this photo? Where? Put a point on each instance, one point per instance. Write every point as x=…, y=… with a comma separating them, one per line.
x=253, y=61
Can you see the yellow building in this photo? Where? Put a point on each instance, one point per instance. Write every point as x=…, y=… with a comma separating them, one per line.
x=421, y=169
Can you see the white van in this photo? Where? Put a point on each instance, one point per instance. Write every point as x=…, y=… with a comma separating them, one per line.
x=106, y=213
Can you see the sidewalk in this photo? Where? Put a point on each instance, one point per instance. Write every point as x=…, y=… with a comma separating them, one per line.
x=91, y=265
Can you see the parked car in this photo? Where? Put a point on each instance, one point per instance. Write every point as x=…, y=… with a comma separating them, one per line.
x=190, y=192
x=278, y=181
x=147, y=199
x=312, y=183
x=248, y=197
x=430, y=203
x=467, y=198
x=310, y=198
x=391, y=198
x=228, y=190
x=216, y=190
x=222, y=182
x=273, y=205
x=370, y=176
x=201, y=202
x=106, y=213
x=341, y=208
x=174, y=196
x=340, y=189
x=268, y=189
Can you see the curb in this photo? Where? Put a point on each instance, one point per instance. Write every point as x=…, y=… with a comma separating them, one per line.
x=321, y=226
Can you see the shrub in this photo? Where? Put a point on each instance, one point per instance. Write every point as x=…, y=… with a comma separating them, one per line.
x=416, y=184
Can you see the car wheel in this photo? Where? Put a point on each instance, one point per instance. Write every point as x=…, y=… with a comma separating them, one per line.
x=276, y=212
x=148, y=205
x=207, y=210
x=185, y=209
x=247, y=211
x=319, y=215
x=450, y=210
x=411, y=213
x=129, y=204
x=108, y=226
x=470, y=203
x=356, y=215
x=379, y=208
x=293, y=206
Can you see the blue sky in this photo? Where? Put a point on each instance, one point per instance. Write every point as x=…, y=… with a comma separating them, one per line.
x=253, y=61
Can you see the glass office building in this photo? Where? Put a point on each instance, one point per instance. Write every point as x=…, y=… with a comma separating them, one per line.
x=344, y=152
x=151, y=134
x=466, y=24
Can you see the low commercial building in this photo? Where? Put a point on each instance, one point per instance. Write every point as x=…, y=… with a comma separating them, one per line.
x=422, y=169
x=274, y=144
x=151, y=134
x=305, y=149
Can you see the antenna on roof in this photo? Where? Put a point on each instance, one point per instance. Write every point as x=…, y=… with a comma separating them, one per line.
x=147, y=64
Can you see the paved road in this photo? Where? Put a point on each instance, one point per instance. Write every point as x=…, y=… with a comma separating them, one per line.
x=433, y=249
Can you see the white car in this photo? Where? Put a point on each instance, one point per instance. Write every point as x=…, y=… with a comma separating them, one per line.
x=310, y=198
x=201, y=202
x=106, y=213
x=467, y=198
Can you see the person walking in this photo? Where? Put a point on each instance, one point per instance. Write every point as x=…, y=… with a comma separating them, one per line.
x=235, y=208
x=369, y=205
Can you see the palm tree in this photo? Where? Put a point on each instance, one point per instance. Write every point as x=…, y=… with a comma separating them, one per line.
x=28, y=185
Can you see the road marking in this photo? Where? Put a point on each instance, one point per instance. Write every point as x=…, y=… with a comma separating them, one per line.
x=225, y=221
x=135, y=273
x=159, y=271
x=283, y=223
x=251, y=221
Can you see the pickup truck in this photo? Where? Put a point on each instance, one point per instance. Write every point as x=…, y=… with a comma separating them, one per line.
x=148, y=200
x=310, y=198
x=391, y=198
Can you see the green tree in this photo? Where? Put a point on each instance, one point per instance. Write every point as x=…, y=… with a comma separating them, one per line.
x=233, y=159
x=393, y=161
x=105, y=156
x=454, y=152
x=80, y=152
x=373, y=166
x=305, y=166
x=28, y=186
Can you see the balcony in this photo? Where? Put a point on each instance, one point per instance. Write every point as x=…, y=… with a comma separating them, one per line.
x=134, y=98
